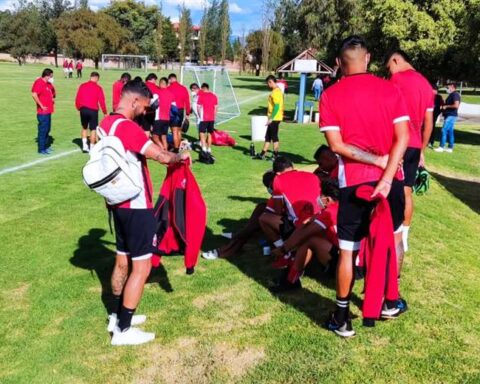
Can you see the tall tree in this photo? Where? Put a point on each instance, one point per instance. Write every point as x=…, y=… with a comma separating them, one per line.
x=88, y=34
x=225, y=30
x=268, y=14
x=158, y=37
x=169, y=40
x=213, y=31
x=185, y=32
x=203, y=35
x=83, y=4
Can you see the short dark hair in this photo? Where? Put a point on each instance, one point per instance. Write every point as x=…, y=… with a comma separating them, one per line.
x=271, y=77
x=352, y=42
x=95, y=74
x=452, y=83
x=267, y=179
x=205, y=85
x=399, y=52
x=138, y=79
x=172, y=76
x=323, y=148
x=193, y=85
x=330, y=188
x=126, y=76
x=47, y=72
x=151, y=76
x=281, y=163
x=137, y=87
x=164, y=79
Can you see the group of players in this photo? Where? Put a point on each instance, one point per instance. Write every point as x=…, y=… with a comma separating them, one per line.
x=376, y=131
x=170, y=109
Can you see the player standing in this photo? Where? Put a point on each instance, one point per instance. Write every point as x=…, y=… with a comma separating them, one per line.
x=43, y=93
x=166, y=106
x=182, y=101
x=117, y=89
x=207, y=105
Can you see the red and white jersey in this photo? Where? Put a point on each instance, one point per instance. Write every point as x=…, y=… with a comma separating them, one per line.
x=300, y=192
x=418, y=95
x=364, y=109
x=208, y=102
x=165, y=102
x=135, y=143
x=327, y=219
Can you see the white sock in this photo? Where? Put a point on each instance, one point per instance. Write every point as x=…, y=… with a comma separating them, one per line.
x=278, y=243
x=204, y=149
x=405, y=230
x=209, y=150
x=84, y=142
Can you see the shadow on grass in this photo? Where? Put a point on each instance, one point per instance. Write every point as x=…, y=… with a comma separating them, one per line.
x=94, y=255
x=466, y=191
x=255, y=200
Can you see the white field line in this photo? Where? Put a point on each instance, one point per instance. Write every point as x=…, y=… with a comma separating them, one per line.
x=21, y=167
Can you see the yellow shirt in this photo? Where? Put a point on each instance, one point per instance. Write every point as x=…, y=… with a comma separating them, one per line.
x=276, y=97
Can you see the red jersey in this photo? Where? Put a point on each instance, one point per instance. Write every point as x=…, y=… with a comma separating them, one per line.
x=70, y=65
x=327, y=219
x=208, y=102
x=165, y=101
x=46, y=93
x=418, y=95
x=364, y=108
x=65, y=64
x=79, y=65
x=116, y=93
x=90, y=95
x=181, y=95
x=152, y=87
x=299, y=191
x=135, y=143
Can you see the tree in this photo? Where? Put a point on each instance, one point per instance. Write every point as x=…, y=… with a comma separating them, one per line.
x=83, y=4
x=203, y=36
x=185, y=32
x=24, y=32
x=268, y=12
x=84, y=33
x=255, y=46
x=158, y=40
x=225, y=30
x=212, y=48
x=169, y=40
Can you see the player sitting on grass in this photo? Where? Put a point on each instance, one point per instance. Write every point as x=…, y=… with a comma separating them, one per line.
x=318, y=236
x=294, y=201
x=166, y=106
x=252, y=227
x=327, y=162
x=207, y=104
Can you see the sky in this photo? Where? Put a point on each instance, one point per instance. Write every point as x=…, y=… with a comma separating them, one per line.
x=244, y=14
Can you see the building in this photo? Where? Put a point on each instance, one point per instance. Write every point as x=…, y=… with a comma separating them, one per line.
x=194, y=40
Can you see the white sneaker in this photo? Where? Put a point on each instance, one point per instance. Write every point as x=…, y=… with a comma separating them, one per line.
x=439, y=149
x=131, y=336
x=86, y=149
x=210, y=255
x=227, y=235
x=449, y=150
x=390, y=313
x=113, y=321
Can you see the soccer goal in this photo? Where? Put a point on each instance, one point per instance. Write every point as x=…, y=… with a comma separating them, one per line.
x=219, y=82
x=124, y=62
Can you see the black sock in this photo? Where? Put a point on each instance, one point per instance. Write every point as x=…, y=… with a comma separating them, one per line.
x=275, y=153
x=116, y=304
x=262, y=153
x=391, y=303
x=341, y=313
x=125, y=320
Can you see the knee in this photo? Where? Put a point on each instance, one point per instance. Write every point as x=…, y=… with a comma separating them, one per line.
x=142, y=268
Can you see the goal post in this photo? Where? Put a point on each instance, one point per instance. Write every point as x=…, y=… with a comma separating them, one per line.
x=218, y=79
x=124, y=62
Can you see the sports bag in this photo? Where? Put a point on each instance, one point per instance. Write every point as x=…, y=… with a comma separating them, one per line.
x=422, y=181
x=108, y=171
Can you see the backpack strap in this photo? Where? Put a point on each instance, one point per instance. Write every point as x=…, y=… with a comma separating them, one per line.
x=114, y=126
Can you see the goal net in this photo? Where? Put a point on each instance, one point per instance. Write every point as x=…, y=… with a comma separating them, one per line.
x=124, y=62
x=219, y=82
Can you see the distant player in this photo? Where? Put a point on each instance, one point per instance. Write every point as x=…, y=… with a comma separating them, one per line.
x=207, y=110
x=43, y=93
x=90, y=97
x=182, y=101
x=195, y=92
x=149, y=117
x=418, y=95
x=117, y=89
x=79, y=67
x=166, y=106
x=65, y=68
x=70, y=69
x=275, y=117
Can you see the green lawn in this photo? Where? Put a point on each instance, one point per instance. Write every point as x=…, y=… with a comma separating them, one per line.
x=220, y=325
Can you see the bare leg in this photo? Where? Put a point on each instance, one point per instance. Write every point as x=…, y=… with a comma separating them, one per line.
x=276, y=146
x=203, y=142
x=157, y=140
x=408, y=206
x=177, y=137
x=133, y=290
x=93, y=137
x=345, y=273
x=120, y=274
x=270, y=224
x=209, y=141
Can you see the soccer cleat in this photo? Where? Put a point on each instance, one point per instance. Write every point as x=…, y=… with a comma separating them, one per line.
x=210, y=255
x=131, y=336
x=344, y=329
x=449, y=150
x=259, y=156
x=285, y=286
x=402, y=306
x=113, y=321
x=44, y=153
x=389, y=313
x=439, y=149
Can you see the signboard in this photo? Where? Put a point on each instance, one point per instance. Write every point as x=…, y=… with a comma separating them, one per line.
x=305, y=66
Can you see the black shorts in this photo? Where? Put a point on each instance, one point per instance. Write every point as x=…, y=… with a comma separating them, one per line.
x=272, y=132
x=147, y=121
x=89, y=118
x=176, y=118
x=160, y=127
x=354, y=214
x=411, y=159
x=206, y=127
x=135, y=232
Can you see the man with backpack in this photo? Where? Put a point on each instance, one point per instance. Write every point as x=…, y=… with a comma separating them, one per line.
x=134, y=221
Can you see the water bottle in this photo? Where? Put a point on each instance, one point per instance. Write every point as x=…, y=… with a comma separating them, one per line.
x=252, y=149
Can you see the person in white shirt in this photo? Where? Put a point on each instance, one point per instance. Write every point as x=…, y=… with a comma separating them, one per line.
x=317, y=88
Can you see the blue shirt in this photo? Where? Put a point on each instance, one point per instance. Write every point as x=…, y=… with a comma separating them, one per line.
x=451, y=99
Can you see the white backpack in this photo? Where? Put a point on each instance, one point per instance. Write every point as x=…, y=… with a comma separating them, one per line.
x=108, y=171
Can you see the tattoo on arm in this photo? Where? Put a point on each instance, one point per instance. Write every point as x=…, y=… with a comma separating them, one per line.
x=362, y=156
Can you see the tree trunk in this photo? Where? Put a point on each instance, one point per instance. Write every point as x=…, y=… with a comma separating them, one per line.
x=55, y=55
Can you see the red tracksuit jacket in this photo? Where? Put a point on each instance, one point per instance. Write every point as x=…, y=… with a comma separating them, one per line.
x=379, y=256
x=182, y=215
x=90, y=95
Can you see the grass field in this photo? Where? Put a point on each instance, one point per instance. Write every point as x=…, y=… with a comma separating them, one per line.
x=220, y=325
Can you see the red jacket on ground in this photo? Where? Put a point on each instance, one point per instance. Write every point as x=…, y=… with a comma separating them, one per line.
x=90, y=95
x=182, y=215
x=379, y=255
x=181, y=95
